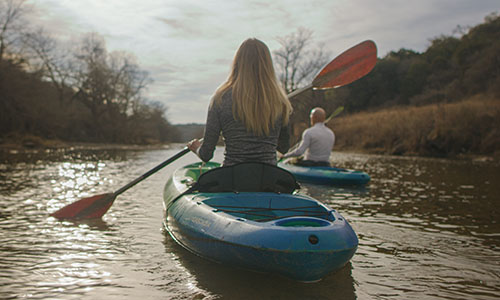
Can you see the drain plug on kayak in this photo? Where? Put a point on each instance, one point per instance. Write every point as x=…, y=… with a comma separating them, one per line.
x=313, y=239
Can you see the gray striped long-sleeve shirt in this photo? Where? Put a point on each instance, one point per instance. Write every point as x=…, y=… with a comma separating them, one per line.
x=241, y=145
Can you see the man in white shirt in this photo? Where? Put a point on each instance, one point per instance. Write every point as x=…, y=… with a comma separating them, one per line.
x=317, y=142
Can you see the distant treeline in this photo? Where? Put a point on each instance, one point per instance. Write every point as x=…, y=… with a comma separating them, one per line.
x=451, y=69
x=73, y=92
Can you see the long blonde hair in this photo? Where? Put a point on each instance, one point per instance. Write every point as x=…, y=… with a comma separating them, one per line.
x=258, y=98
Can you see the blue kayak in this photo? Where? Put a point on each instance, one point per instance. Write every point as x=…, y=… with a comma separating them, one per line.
x=326, y=175
x=248, y=216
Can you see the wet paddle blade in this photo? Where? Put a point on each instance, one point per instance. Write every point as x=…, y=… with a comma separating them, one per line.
x=86, y=208
x=97, y=206
x=349, y=66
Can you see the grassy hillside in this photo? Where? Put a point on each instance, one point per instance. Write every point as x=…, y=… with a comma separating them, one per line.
x=447, y=129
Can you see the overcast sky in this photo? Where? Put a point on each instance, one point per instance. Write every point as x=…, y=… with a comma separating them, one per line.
x=187, y=45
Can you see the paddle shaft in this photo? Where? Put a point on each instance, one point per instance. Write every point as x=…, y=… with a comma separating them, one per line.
x=300, y=91
x=152, y=171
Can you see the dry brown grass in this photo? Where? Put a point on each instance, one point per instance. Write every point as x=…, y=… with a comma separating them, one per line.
x=467, y=127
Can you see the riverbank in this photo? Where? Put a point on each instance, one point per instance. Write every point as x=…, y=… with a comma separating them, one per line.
x=463, y=129
x=467, y=128
x=31, y=149
x=30, y=142
x=23, y=149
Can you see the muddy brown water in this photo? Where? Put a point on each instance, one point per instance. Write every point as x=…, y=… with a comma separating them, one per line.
x=428, y=229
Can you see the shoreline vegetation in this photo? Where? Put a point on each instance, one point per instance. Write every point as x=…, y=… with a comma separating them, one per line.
x=463, y=129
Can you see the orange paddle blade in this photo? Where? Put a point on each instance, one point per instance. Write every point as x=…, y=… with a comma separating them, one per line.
x=349, y=66
x=86, y=208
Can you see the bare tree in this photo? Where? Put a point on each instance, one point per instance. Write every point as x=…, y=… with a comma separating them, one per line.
x=128, y=81
x=51, y=60
x=12, y=24
x=109, y=83
x=298, y=60
x=91, y=74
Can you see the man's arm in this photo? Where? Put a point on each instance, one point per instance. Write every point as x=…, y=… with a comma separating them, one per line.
x=304, y=144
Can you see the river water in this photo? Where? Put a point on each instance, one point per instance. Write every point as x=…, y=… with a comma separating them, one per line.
x=428, y=229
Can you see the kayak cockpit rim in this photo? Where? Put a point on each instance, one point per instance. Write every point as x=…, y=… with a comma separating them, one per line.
x=268, y=207
x=251, y=191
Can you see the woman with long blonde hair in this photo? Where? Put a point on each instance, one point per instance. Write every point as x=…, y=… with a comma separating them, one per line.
x=250, y=108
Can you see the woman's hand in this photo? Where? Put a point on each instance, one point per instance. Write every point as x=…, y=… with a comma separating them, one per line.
x=194, y=145
x=280, y=156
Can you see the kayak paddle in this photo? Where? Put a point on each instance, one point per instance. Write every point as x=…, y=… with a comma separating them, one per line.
x=96, y=206
x=334, y=114
x=349, y=66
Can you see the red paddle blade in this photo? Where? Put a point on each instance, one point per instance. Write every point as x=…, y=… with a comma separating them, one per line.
x=86, y=208
x=349, y=66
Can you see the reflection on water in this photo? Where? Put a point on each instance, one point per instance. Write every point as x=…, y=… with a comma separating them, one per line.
x=428, y=228
x=217, y=280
